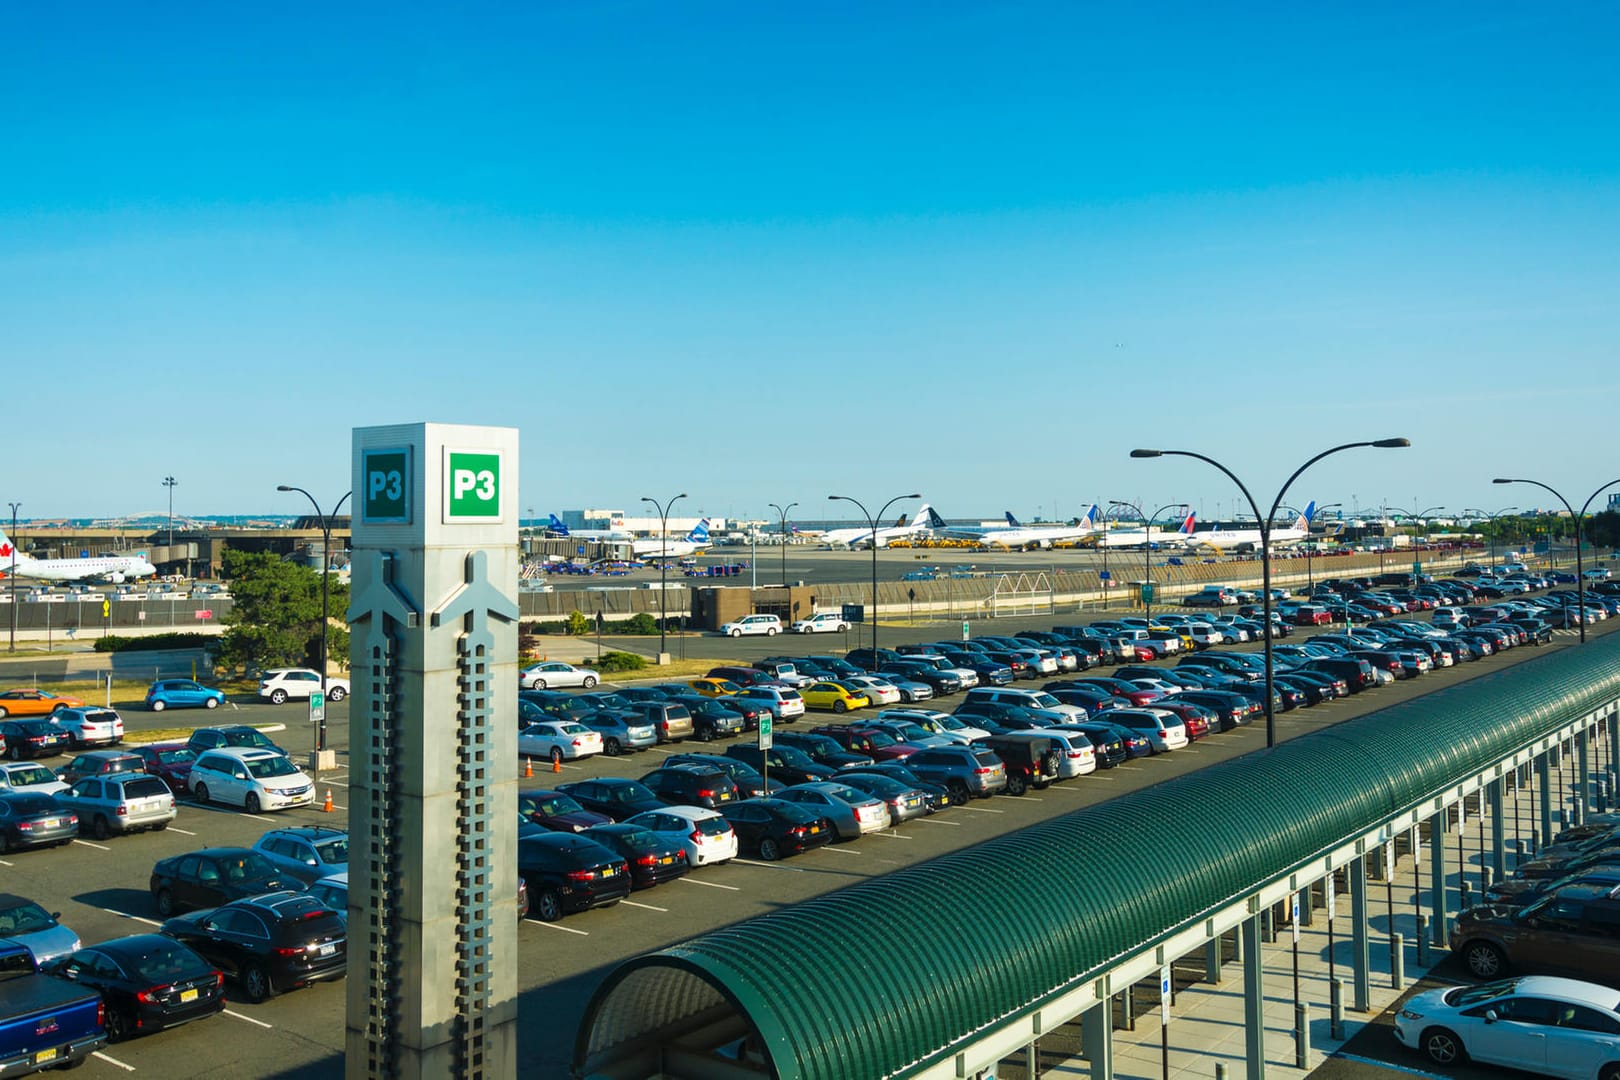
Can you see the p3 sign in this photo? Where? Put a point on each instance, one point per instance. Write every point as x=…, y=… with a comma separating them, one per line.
x=472, y=486
x=386, y=484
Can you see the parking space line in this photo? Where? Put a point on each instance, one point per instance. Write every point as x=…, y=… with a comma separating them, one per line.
x=981, y=810
x=892, y=835
x=769, y=865
x=112, y=1061
x=564, y=929
x=182, y=832
x=127, y=915
x=709, y=884
x=936, y=821
x=644, y=907
x=4, y=863
x=258, y=817
x=249, y=1019
x=839, y=850
x=87, y=843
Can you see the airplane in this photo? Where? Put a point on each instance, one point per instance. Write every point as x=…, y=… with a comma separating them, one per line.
x=556, y=528
x=659, y=548
x=113, y=568
x=862, y=537
x=1249, y=539
x=1157, y=538
x=1037, y=537
x=944, y=530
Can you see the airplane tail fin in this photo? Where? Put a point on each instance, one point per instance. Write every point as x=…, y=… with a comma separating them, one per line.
x=1187, y=526
x=557, y=526
x=1011, y=521
x=8, y=553
x=1091, y=516
x=700, y=532
x=1303, y=522
x=934, y=520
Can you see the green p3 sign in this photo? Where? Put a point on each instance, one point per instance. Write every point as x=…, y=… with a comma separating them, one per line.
x=472, y=486
x=386, y=480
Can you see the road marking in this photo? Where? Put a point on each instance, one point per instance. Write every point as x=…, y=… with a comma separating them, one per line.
x=980, y=810
x=249, y=1019
x=1028, y=798
x=1387, y=1065
x=182, y=832
x=4, y=863
x=936, y=821
x=112, y=1061
x=261, y=817
x=840, y=850
x=1071, y=791
x=709, y=884
x=770, y=865
x=644, y=907
x=127, y=915
x=87, y=843
x=892, y=835
x=564, y=929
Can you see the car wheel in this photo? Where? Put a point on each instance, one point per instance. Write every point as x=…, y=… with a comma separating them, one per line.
x=256, y=984
x=556, y=755
x=547, y=906
x=959, y=793
x=5, y=843
x=843, y=627
x=590, y=681
x=705, y=734
x=3, y=713
x=1609, y=1072
x=1016, y=783
x=1484, y=959
x=277, y=697
x=769, y=850
x=14, y=753
x=1442, y=1046
x=165, y=903
x=118, y=1025
x=337, y=693
x=251, y=804
x=202, y=793
x=736, y=633
x=157, y=706
x=211, y=703
x=100, y=829
x=770, y=631
x=840, y=706
x=538, y=684
x=612, y=748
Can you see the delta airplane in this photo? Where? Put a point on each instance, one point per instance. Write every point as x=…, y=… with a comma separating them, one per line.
x=850, y=538
x=1037, y=537
x=113, y=568
x=1249, y=539
x=658, y=548
x=556, y=528
x=1155, y=538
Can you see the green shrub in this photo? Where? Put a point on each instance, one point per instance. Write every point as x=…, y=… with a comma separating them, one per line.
x=154, y=642
x=641, y=623
x=578, y=624
x=620, y=661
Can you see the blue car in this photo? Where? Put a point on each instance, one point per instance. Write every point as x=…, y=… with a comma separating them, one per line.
x=182, y=694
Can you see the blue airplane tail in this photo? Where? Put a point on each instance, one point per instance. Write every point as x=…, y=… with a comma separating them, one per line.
x=557, y=526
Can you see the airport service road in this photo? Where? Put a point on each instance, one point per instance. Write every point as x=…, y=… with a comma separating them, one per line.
x=101, y=890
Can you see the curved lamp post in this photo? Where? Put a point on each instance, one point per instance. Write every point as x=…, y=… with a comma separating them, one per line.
x=14, y=507
x=782, y=512
x=1490, y=517
x=1310, y=545
x=1580, y=566
x=1147, y=547
x=1265, y=540
x=326, y=576
x=871, y=521
x=663, y=566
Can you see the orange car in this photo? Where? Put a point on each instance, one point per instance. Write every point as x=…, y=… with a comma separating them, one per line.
x=35, y=703
x=715, y=688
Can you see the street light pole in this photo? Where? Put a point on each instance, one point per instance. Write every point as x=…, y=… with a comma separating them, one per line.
x=1580, y=565
x=663, y=567
x=782, y=512
x=871, y=521
x=1490, y=517
x=169, y=482
x=1265, y=542
x=1147, y=547
x=326, y=577
x=14, y=506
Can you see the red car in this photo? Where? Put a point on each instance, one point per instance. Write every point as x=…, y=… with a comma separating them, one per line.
x=875, y=744
x=1120, y=688
x=1193, y=717
x=170, y=762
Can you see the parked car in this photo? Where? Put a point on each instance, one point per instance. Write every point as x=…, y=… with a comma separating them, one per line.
x=823, y=622
x=750, y=784
x=558, y=741
x=783, y=703
x=270, y=943
x=29, y=777
x=1541, y=1024
x=768, y=625
x=35, y=738
x=850, y=811
x=772, y=828
x=554, y=674
x=238, y=736
x=650, y=858
x=44, y=1021
x=823, y=749
x=100, y=763
x=833, y=695
x=1570, y=931
x=88, y=726
x=31, y=701
x=613, y=797
x=279, y=685
x=904, y=801
x=182, y=694
x=215, y=876
x=25, y=923
x=1031, y=759
x=254, y=779
x=307, y=852
x=781, y=762
x=705, y=835
x=1164, y=730
x=621, y=731
x=567, y=873
x=169, y=762
x=30, y=819
x=147, y=983
x=119, y=802
x=557, y=811
x=691, y=785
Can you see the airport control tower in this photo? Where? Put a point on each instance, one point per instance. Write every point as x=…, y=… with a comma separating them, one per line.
x=432, y=990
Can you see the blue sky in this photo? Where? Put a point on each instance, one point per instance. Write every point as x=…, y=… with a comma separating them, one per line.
x=762, y=253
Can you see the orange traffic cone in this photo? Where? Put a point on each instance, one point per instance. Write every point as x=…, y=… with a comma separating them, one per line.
x=328, y=807
x=528, y=767
x=556, y=764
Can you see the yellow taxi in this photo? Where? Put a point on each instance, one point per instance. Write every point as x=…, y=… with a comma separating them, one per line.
x=31, y=702
x=833, y=695
x=715, y=688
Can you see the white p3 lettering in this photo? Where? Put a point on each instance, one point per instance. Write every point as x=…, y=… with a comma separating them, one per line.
x=480, y=484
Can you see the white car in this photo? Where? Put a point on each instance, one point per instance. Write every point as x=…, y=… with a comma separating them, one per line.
x=825, y=622
x=1163, y=729
x=939, y=723
x=282, y=684
x=91, y=726
x=1077, y=756
x=30, y=776
x=554, y=674
x=769, y=625
x=1596, y=573
x=1541, y=1024
x=878, y=691
x=558, y=740
x=250, y=777
x=705, y=834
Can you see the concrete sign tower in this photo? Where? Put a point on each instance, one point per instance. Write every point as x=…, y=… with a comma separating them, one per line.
x=432, y=988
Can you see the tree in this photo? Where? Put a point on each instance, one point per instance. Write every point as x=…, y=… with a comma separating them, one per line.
x=275, y=620
x=1602, y=530
x=578, y=624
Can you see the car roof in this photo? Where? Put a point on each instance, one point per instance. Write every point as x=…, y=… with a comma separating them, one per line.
x=308, y=832
x=245, y=753
x=1575, y=990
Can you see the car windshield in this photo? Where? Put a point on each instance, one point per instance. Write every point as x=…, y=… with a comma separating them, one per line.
x=714, y=826
x=249, y=867
x=882, y=740
x=23, y=775
x=639, y=840
x=853, y=796
x=161, y=961
x=271, y=766
x=629, y=792
x=333, y=851
x=571, y=728
x=180, y=756
x=1464, y=996
x=248, y=738
x=24, y=917
x=553, y=805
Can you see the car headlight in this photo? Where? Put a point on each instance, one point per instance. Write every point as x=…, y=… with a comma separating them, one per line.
x=1408, y=1014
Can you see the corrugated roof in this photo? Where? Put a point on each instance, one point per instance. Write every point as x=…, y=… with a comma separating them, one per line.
x=1017, y=919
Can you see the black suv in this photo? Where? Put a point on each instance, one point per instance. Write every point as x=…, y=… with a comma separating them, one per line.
x=214, y=876
x=238, y=735
x=785, y=763
x=692, y=785
x=943, y=682
x=750, y=785
x=823, y=749
x=1031, y=759
x=269, y=943
x=567, y=873
x=868, y=660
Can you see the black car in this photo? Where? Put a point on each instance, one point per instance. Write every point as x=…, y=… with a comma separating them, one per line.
x=691, y=785
x=214, y=876
x=989, y=672
x=1315, y=689
x=147, y=983
x=1032, y=759
x=942, y=682
x=1089, y=698
x=1357, y=674
x=750, y=784
x=567, y=873
x=785, y=763
x=36, y=738
x=268, y=943
x=938, y=796
x=652, y=859
x=1006, y=717
x=717, y=718
x=776, y=827
x=33, y=819
x=1233, y=710
x=823, y=749
x=868, y=660
x=617, y=797
x=237, y=735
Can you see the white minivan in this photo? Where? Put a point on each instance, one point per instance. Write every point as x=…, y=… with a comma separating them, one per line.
x=769, y=625
x=822, y=622
x=250, y=777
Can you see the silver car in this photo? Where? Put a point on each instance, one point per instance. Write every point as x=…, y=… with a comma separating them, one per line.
x=119, y=802
x=852, y=812
x=904, y=801
x=621, y=731
x=25, y=923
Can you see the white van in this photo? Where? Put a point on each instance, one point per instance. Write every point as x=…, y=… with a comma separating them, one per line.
x=823, y=622
x=1076, y=755
x=768, y=625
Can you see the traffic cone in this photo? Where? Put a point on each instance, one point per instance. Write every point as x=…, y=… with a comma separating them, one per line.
x=556, y=765
x=528, y=767
x=328, y=807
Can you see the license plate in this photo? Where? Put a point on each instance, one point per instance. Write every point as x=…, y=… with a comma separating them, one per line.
x=326, y=950
x=814, y=829
x=45, y=1055
x=666, y=860
x=187, y=995
x=610, y=871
